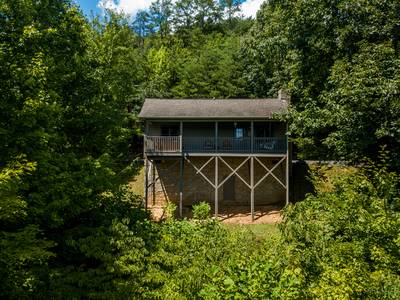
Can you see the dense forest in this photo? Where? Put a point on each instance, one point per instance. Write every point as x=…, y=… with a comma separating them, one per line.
x=70, y=90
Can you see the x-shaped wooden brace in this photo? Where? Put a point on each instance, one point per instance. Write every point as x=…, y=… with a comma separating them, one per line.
x=198, y=170
x=234, y=172
x=269, y=172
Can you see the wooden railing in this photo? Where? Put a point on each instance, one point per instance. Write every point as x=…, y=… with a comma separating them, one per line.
x=162, y=144
x=234, y=145
x=269, y=145
x=175, y=144
x=199, y=144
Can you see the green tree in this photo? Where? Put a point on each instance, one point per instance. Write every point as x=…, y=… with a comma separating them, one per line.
x=300, y=44
x=66, y=132
x=213, y=70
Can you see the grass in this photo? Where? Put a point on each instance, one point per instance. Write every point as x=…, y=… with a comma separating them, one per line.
x=137, y=183
x=260, y=231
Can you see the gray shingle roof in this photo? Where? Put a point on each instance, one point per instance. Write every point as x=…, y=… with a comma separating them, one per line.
x=212, y=109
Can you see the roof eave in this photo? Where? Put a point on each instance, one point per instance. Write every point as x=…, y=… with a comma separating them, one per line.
x=207, y=118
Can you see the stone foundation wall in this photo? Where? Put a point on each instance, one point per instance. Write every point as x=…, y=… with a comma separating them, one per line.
x=196, y=188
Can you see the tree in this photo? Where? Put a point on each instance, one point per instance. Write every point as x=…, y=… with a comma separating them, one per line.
x=66, y=130
x=300, y=44
x=160, y=12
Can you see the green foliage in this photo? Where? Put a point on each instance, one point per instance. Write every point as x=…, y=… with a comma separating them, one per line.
x=170, y=211
x=69, y=92
x=200, y=58
x=189, y=256
x=250, y=276
x=339, y=59
x=343, y=243
x=65, y=132
x=201, y=211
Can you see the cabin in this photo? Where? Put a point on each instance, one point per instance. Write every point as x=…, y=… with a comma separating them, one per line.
x=227, y=152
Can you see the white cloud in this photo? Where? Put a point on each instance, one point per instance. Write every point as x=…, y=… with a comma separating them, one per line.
x=124, y=6
x=250, y=7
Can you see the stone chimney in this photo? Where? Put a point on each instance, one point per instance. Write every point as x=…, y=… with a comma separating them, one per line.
x=283, y=95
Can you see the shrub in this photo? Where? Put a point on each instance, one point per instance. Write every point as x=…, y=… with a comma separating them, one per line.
x=201, y=211
x=169, y=211
x=343, y=242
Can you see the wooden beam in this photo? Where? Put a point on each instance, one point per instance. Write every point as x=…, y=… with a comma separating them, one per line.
x=287, y=164
x=216, y=187
x=216, y=137
x=234, y=171
x=252, y=188
x=203, y=166
x=146, y=181
x=199, y=172
x=252, y=136
x=181, y=186
x=153, y=181
x=269, y=172
x=181, y=136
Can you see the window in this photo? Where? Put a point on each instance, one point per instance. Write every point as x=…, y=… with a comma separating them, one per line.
x=170, y=130
x=239, y=133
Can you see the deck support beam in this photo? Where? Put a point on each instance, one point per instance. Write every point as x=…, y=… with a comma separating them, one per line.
x=181, y=166
x=252, y=188
x=287, y=165
x=216, y=187
x=146, y=181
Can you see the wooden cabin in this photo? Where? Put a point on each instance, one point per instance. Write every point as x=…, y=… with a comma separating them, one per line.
x=232, y=152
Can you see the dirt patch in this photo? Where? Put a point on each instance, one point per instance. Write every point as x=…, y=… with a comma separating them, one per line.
x=262, y=215
x=234, y=215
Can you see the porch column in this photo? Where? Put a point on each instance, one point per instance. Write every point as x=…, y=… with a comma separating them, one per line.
x=216, y=137
x=181, y=186
x=216, y=187
x=146, y=181
x=252, y=187
x=153, y=182
x=181, y=136
x=287, y=165
x=252, y=136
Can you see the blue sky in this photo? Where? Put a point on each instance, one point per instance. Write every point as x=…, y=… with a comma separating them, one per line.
x=249, y=7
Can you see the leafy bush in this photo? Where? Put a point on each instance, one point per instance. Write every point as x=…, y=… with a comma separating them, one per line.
x=344, y=242
x=188, y=256
x=169, y=211
x=341, y=243
x=201, y=211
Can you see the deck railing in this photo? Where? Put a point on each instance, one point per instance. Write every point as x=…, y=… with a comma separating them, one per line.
x=234, y=145
x=199, y=144
x=269, y=145
x=162, y=144
x=177, y=144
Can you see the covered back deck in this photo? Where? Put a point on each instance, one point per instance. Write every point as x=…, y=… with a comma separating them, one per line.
x=175, y=138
